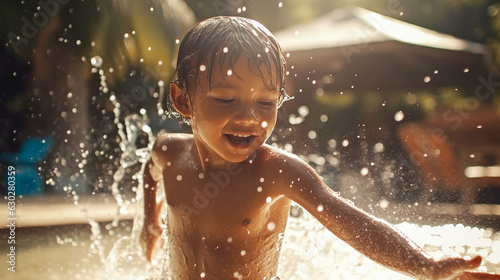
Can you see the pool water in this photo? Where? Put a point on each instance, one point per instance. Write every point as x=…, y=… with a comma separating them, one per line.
x=309, y=251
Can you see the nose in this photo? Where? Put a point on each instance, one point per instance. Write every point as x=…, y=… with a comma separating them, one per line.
x=247, y=115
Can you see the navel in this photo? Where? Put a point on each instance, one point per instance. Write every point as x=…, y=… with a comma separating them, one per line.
x=246, y=222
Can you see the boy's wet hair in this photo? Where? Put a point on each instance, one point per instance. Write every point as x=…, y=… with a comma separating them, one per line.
x=218, y=42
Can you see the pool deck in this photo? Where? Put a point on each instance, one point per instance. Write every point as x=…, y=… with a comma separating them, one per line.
x=59, y=210
x=31, y=212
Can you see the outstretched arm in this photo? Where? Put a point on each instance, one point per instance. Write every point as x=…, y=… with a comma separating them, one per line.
x=373, y=237
x=151, y=229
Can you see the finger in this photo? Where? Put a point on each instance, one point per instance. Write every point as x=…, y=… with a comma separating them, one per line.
x=152, y=242
x=473, y=263
x=460, y=264
x=149, y=252
x=455, y=267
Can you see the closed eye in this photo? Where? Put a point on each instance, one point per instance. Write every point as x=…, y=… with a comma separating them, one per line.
x=223, y=100
x=267, y=103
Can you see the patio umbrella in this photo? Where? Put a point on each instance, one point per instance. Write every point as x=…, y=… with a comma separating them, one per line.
x=353, y=48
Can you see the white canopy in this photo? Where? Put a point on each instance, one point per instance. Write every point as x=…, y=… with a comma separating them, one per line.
x=353, y=48
x=354, y=26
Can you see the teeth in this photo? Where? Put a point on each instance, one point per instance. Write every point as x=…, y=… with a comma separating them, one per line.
x=241, y=135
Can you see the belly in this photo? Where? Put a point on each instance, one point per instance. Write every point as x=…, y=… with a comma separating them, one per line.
x=227, y=240
x=193, y=257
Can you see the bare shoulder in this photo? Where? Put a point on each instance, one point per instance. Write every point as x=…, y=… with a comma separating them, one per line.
x=168, y=140
x=169, y=146
x=297, y=180
x=286, y=162
x=289, y=168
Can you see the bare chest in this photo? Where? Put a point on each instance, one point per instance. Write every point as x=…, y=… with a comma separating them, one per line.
x=235, y=200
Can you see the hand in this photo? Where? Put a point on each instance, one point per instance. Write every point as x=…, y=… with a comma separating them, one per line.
x=458, y=269
x=150, y=233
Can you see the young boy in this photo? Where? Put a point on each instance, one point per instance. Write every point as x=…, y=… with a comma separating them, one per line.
x=228, y=193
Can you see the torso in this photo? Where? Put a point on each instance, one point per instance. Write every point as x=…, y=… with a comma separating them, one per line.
x=223, y=224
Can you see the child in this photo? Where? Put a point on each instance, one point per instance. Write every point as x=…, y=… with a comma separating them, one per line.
x=228, y=193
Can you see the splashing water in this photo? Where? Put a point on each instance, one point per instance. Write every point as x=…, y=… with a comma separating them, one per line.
x=125, y=260
x=309, y=251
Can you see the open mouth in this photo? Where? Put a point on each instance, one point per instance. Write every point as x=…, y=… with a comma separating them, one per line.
x=240, y=139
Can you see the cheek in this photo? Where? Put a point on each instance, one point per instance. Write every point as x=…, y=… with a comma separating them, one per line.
x=270, y=120
x=202, y=111
x=270, y=115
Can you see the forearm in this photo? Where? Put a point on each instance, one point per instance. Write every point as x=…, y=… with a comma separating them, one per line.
x=150, y=229
x=386, y=245
x=150, y=214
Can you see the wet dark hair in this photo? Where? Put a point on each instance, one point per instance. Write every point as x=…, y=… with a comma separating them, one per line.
x=220, y=41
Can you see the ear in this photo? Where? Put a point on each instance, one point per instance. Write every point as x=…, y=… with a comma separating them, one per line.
x=180, y=100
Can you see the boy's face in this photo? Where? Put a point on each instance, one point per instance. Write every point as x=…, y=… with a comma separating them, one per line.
x=237, y=115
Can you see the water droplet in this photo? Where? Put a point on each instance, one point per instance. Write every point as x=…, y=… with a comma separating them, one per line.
x=229, y=239
x=427, y=79
x=364, y=171
x=345, y=143
x=399, y=116
x=384, y=203
x=312, y=134
x=229, y=72
x=259, y=189
x=271, y=226
x=203, y=68
x=379, y=147
x=96, y=61
x=269, y=199
x=261, y=179
x=243, y=252
x=320, y=208
x=179, y=177
x=303, y=110
x=225, y=50
x=264, y=124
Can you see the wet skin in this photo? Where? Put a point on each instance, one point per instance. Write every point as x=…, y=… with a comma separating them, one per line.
x=223, y=224
x=228, y=194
